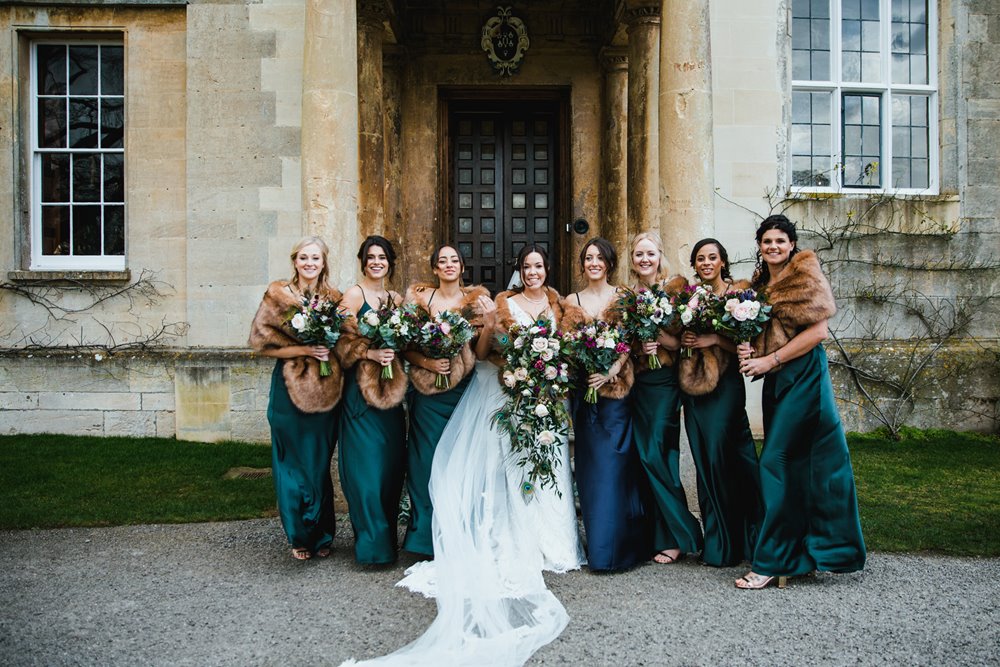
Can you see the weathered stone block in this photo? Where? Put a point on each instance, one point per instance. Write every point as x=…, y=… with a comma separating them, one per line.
x=157, y=401
x=84, y=400
x=251, y=427
x=202, y=403
x=17, y=400
x=165, y=425
x=135, y=424
x=72, y=422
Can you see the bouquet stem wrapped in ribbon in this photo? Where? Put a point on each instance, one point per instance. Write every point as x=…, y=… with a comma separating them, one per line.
x=389, y=327
x=317, y=321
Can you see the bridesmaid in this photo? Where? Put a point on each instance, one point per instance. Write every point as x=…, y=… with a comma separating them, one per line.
x=810, y=520
x=373, y=426
x=656, y=422
x=607, y=466
x=430, y=407
x=301, y=408
x=714, y=397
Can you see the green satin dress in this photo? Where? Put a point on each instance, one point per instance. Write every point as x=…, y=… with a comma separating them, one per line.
x=726, y=461
x=372, y=457
x=656, y=430
x=301, y=448
x=428, y=417
x=810, y=517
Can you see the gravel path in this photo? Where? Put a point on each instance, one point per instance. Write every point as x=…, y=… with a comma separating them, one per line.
x=229, y=594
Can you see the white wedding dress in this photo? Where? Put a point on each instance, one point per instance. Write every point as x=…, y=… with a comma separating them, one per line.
x=490, y=544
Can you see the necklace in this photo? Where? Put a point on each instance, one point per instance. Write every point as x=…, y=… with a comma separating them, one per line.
x=543, y=299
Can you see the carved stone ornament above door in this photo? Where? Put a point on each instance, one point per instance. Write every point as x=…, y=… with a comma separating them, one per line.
x=505, y=41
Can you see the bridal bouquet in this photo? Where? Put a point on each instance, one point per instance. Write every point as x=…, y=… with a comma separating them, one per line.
x=644, y=314
x=442, y=336
x=536, y=381
x=317, y=321
x=744, y=315
x=389, y=327
x=595, y=347
x=698, y=310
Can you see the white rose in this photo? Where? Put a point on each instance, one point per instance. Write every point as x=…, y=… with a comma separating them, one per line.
x=609, y=343
x=742, y=312
x=687, y=316
x=541, y=410
x=590, y=331
x=666, y=306
x=533, y=330
x=299, y=322
x=521, y=374
x=731, y=304
x=547, y=354
x=371, y=317
x=754, y=309
x=546, y=437
x=539, y=344
x=551, y=372
x=554, y=344
x=404, y=330
x=509, y=379
x=394, y=319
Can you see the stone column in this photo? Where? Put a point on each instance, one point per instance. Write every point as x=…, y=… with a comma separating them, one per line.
x=393, y=67
x=614, y=151
x=330, y=132
x=687, y=171
x=371, y=124
x=643, y=21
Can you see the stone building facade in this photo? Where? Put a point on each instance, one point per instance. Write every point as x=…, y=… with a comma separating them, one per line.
x=166, y=155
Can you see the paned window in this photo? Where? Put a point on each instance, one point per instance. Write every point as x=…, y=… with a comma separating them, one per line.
x=864, y=95
x=77, y=155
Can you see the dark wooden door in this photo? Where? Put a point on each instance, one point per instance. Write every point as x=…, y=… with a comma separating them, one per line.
x=504, y=186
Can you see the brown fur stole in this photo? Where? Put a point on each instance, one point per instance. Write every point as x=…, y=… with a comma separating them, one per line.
x=461, y=365
x=573, y=317
x=799, y=297
x=309, y=392
x=667, y=357
x=699, y=374
x=378, y=393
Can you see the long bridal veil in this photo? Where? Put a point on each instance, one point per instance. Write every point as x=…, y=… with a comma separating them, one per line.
x=492, y=604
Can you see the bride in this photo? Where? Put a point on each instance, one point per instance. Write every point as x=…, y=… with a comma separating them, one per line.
x=491, y=541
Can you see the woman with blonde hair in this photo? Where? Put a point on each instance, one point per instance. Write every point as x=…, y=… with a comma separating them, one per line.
x=301, y=409
x=656, y=424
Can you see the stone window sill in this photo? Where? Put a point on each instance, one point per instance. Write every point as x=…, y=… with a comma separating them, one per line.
x=70, y=277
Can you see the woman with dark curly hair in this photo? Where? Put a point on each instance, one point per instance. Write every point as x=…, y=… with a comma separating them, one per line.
x=810, y=508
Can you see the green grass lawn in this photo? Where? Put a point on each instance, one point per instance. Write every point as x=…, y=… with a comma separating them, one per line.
x=933, y=491
x=57, y=480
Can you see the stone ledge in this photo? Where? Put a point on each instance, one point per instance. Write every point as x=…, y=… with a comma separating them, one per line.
x=70, y=277
x=180, y=356
x=98, y=3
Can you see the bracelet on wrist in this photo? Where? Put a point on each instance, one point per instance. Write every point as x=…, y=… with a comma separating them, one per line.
x=777, y=359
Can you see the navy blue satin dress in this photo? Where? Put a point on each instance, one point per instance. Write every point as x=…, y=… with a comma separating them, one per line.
x=608, y=478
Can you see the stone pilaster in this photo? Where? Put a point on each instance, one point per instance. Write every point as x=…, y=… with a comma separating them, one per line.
x=643, y=23
x=687, y=181
x=614, y=151
x=330, y=132
x=392, y=82
x=371, y=123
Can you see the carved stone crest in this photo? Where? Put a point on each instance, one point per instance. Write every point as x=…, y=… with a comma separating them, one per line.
x=505, y=40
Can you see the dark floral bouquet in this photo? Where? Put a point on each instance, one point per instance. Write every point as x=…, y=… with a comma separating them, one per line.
x=389, y=327
x=744, y=314
x=317, y=321
x=644, y=314
x=698, y=309
x=536, y=380
x=595, y=347
x=442, y=336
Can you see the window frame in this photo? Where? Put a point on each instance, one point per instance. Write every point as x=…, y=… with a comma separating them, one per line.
x=37, y=260
x=886, y=88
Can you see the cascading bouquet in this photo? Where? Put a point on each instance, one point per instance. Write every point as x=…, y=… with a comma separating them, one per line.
x=744, y=315
x=317, y=321
x=442, y=336
x=698, y=308
x=595, y=347
x=644, y=314
x=536, y=380
x=389, y=327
